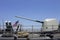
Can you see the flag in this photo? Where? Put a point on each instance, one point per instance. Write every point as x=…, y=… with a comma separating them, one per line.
x=15, y=24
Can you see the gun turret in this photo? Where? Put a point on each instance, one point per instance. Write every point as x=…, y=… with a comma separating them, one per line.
x=29, y=19
x=8, y=25
x=9, y=30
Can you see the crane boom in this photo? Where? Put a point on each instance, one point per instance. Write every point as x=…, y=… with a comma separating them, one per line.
x=29, y=19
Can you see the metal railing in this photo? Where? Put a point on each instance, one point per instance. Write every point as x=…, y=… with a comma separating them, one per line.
x=33, y=28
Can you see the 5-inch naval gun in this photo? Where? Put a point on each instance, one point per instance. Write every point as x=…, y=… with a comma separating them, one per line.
x=30, y=19
x=42, y=22
x=48, y=26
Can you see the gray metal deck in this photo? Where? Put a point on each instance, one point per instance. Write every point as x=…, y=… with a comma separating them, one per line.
x=12, y=38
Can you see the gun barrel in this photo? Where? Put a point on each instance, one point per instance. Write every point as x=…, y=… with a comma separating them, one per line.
x=29, y=19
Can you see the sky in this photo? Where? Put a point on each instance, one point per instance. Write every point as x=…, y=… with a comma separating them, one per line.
x=34, y=9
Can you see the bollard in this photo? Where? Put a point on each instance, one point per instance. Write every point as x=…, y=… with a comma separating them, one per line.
x=15, y=38
x=28, y=39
